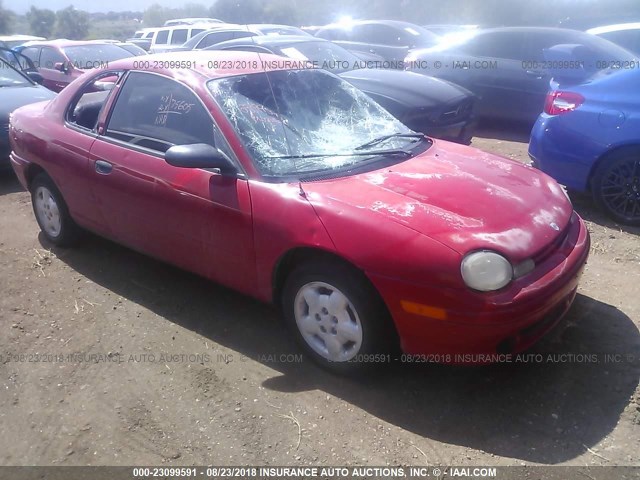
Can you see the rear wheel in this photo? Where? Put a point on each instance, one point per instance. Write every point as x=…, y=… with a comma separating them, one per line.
x=616, y=186
x=337, y=317
x=52, y=213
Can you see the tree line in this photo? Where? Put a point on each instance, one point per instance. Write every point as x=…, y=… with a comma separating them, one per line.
x=76, y=24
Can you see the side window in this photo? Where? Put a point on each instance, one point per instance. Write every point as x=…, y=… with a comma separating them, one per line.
x=162, y=37
x=195, y=31
x=507, y=45
x=334, y=34
x=87, y=105
x=179, y=36
x=213, y=38
x=49, y=57
x=149, y=35
x=248, y=48
x=33, y=54
x=381, y=35
x=156, y=112
x=243, y=34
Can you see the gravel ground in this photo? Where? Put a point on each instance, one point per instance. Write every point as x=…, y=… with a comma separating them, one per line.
x=112, y=358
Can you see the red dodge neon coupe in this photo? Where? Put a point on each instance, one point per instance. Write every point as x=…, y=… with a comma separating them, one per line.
x=292, y=186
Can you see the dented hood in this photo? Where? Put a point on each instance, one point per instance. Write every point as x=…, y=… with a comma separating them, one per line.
x=462, y=197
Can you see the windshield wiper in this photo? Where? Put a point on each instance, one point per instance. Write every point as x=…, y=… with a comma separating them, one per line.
x=375, y=141
x=352, y=154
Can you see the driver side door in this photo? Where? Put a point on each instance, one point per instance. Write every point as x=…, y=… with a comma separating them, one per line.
x=197, y=219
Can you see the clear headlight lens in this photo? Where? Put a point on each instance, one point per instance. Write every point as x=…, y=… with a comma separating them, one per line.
x=486, y=271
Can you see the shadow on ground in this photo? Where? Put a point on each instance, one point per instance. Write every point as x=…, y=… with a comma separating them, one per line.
x=502, y=130
x=9, y=183
x=542, y=412
x=585, y=206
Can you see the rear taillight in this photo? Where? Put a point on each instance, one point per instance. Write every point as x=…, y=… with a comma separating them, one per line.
x=559, y=102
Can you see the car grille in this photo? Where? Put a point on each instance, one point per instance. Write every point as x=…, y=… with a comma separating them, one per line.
x=557, y=242
x=456, y=113
x=423, y=118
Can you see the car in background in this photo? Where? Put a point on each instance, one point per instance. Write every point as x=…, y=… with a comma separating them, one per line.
x=424, y=104
x=390, y=39
x=275, y=29
x=16, y=90
x=62, y=61
x=626, y=35
x=506, y=68
x=12, y=41
x=447, y=29
x=588, y=139
x=165, y=39
x=294, y=187
x=142, y=38
x=190, y=21
x=216, y=35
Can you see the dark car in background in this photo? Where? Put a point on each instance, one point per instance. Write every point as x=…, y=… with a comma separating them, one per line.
x=425, y=104
x=390, y=39
x=626, y=35
x=275, y=29
x=16, y=90
x=506, y=67
x=62, y=61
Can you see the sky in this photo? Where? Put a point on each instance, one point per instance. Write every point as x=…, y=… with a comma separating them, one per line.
x=22, y=6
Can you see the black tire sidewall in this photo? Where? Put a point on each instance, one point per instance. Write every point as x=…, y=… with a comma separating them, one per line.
x=370, y=308
x=601, y=172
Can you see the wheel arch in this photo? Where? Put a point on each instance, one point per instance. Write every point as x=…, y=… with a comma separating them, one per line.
x=298, y=256
x=32, y=171
x=626, y=147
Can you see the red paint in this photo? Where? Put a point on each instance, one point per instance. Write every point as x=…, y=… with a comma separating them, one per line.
x=407, y=226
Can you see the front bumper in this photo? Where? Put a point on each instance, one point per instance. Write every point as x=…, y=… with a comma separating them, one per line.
x=510, y=321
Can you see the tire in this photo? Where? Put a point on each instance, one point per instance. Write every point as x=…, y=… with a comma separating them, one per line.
x=616, y=186
x=353, y=334
x=52, y=213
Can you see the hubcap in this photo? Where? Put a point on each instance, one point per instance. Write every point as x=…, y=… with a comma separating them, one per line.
x=47, y=211
x=328, y=321
x=621, y=189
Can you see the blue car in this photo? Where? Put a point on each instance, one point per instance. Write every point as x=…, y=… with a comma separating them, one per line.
x=588, y=139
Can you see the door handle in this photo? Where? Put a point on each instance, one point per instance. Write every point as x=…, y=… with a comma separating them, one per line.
x=103, y=168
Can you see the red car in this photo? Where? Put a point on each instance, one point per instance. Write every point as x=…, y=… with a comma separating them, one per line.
x=62, y=61
x=290, y=185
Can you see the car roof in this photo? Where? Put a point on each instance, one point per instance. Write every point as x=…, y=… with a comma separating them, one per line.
x=274, y=40
x=392, y=23
x=259, y=26
x=231, y=63
x=614, y=28
x=63, y=42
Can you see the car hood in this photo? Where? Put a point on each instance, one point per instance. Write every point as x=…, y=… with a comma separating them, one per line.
x=459, y=196
x=15, y=97
x=408, y=88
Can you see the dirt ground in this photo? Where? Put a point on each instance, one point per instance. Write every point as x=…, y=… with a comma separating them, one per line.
x=112, y=358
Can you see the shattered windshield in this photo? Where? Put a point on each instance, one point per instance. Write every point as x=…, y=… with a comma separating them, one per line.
x=298, y=122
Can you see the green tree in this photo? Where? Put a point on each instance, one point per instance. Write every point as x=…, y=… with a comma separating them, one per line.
x=238, y=11
x=72, y=24
x=41, y=21
x=6, y=19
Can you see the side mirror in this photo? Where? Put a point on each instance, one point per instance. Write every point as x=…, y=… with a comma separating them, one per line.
x=35, y=76
x=60, y=66
x=199, y=155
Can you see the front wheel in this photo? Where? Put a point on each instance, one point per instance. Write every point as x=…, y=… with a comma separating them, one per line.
x=337, y=317
x=616, y=186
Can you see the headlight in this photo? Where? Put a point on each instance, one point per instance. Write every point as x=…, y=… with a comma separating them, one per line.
x=486, y=271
